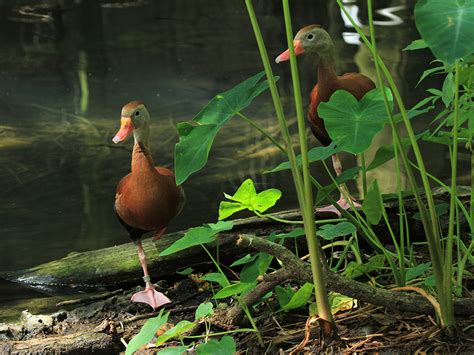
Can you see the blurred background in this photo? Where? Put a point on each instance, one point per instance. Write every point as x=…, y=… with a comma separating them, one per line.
x=67, y=68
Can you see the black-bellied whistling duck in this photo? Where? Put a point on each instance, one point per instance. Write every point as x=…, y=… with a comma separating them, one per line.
x=316, y=42
x=147, y=199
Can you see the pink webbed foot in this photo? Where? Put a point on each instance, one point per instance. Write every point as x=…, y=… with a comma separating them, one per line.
x=152, y=297
x=342, y=202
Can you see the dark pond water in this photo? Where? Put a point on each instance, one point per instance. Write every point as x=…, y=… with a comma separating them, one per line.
x=65, y=73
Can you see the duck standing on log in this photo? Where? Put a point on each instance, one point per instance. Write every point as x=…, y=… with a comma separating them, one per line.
x=147, y=199
x=314, y=41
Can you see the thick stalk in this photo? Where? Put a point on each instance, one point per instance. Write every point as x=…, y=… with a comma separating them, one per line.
x=306, y=205
x=448, y=310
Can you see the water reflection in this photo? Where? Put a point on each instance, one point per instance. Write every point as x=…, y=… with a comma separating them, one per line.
x=65, y=75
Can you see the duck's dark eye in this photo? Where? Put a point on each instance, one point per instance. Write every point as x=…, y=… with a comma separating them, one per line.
x=137, y=113
x=310, y=36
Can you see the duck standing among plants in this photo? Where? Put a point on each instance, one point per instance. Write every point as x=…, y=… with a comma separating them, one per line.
x=147, y=199
x=315, y=42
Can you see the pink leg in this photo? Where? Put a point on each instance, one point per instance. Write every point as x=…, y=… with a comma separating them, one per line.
x=149, y=296
x=342, y=202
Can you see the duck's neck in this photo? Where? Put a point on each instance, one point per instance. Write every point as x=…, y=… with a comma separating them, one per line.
x=327, y=78
x=141, y=156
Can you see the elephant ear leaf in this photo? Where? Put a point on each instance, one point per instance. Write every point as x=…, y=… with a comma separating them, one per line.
x=351, y=123
x=196, y=136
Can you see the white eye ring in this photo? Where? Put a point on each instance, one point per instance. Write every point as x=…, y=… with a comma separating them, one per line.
x=310, y=36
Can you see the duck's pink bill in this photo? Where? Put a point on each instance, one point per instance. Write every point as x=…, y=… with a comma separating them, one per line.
x=286, y=54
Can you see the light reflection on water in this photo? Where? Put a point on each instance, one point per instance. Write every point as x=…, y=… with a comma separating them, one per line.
x=62, y=85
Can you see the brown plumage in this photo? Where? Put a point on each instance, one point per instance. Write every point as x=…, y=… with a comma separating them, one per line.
x=147, y=199
x=316, y=42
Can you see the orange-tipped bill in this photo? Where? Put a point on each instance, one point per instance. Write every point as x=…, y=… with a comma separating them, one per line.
x=126, y=127
x=286, y=54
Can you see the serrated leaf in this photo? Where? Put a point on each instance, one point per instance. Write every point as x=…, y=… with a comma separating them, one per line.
x=355, y=123
x=180, y=328
x=372, y=204
x=331, y=231
x=234, y=289
x=446, y=26
x=196, y=136
x=204, y=310
x=147, y=332
x=428, y=72
x=226, y=346
x=300, y=298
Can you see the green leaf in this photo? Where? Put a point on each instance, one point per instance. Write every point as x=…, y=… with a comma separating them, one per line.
x=196, y=236
x=331, y=231
x=215, y=277
x=300, y=298
x=416, y=44
x=244, y=260
x=204, y=310
x=386, y=153
x=372, y=204
x=226, y=346
x=414, y=272
x=341, y=303
x=448, y=89
x=180, y=328
x=355, y=123
x=428, y=72
x=258, y=267
x=186, y=271
x=147, y=332
x=246, y=198
x=177, y=350
x=347, y=175
x=196, y=136
x=234, y=289
x=440, y=209
x=221, y=226
x=295, y=233
x=284, y=294
x=354, y=270
x=446, y=27
x=314, y=154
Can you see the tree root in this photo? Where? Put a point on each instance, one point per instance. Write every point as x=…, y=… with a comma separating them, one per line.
x=296, y=269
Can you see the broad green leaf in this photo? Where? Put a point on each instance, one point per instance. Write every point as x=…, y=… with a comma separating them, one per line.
x=440, y=209
x=221, y=226
x=430, y=281
x=244, y=260
x=331, y=231
x=196, y=236
x=295, y=233
x=215, y=277
x=196, y=136
x=416, y=271
x=226, y=346
x=186, y=271
x=258, y=267
x=300, y=298
x=178, y=350
x=234, y=289
x=372, y=204
x=284, y=294
x=246, y=198
x=204, y=310
x=354, y=270
x=147, y=332
x=180, y=328
x=416, y=44
x=341, y=303
x=447, y=27
x=355, y=123
x=314, y=154
x=448, y=89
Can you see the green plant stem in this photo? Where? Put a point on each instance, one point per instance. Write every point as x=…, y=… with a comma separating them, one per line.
x=277, y=219
x=242, y=304
x=448, y=309
x=232, y=331
x=472, y=189
x=306, y=204
x=364, y=173
x=261, y=130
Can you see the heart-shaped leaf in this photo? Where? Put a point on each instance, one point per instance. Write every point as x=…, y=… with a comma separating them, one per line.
x=196, y=136
x=216, y=277
x=226, y=346
x=204, y=310
x=447, y=27
x=331, y=231
x=355, y=123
